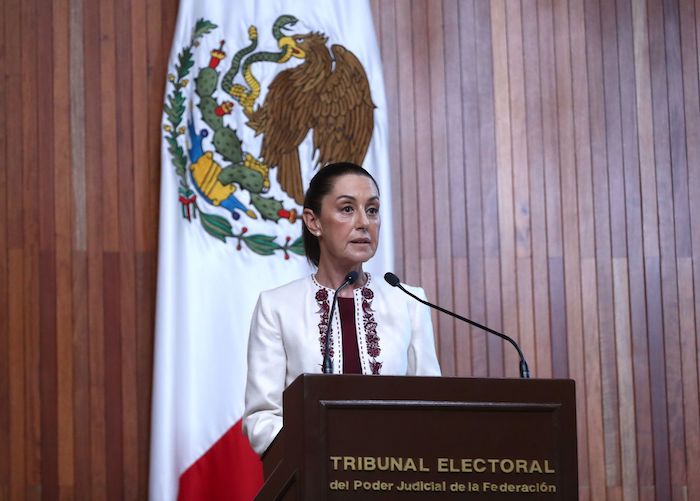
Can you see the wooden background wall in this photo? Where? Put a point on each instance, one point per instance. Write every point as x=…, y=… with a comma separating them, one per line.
x=557, y=147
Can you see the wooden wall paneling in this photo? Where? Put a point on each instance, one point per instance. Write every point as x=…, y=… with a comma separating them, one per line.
x=442, y=266
x=659, y=440
x=552, y=196
x=569, y=217
x=112, y=219
x=81, y=377
x=592, y=486
x=47, y=363
x=690, y=306
x=4, y=275
x=111, y=239
x=504, y=165
x=113, y=388
x=458, y=139
x=689, y=369
x=385, y=25
x=454, y=203
x=521, y=187
x=127, y=42
x=603, y=248
x=81, y=366
x=94, y=203
x=681, y=249
x=409, y=206
x=423, y=140
x=144, y=134
x=30, y=256
x=618, y=244
x=15, y=260
x=635, y=246
x=625, y=379
x=589, y=387
x=473, y=72
x=64, y=245
x=540, y=355
x=677, y=128
x=489, y=184
x=157, y=55
x=136, y=443
x=665, y=337
x=645, y=144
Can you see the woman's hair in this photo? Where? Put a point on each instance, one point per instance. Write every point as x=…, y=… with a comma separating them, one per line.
x=322, y=184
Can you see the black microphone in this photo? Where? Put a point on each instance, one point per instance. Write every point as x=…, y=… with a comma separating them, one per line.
x=327, y=360
x=394, y=281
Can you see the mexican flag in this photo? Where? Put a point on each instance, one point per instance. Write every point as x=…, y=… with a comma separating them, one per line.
x=259, y=96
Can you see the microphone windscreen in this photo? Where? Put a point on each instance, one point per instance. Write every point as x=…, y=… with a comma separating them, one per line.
x=391, y=279
x=351, y=277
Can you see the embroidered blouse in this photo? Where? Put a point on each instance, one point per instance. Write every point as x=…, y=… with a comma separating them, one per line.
x=287, y=338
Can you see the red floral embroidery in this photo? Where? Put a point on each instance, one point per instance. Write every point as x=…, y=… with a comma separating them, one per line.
x=322, y=300
x=373, y=349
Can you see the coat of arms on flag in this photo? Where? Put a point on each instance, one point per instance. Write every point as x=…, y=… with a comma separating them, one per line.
x=327, y=94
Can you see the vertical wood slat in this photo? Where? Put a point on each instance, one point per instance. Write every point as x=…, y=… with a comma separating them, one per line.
x=30, y=256
x=4, y=278
x=93, y=155
x=689, y=271
x=442, y=235
x=535, y=169
x=456, y=183
x=476, y=353
x=63, y=254
x=504, y=165
x=15, y=450
x=406, y=131
x=591, y=420
x=546, y=175
x=46, y=336
x=81, y=374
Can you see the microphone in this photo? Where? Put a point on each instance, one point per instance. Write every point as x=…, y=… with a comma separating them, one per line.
x=394, y=281
x=327, y=360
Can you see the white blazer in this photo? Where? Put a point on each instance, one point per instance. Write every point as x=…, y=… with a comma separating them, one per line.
x=394, y=337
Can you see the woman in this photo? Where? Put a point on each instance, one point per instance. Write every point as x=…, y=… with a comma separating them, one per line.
x=376, y=329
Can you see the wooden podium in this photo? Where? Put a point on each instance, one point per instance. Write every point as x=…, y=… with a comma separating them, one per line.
x=424, y=438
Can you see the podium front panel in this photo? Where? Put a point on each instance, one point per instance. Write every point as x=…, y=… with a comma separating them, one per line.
x=363, y=438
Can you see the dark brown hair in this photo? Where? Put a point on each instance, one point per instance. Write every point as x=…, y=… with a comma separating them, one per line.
x=322, y=184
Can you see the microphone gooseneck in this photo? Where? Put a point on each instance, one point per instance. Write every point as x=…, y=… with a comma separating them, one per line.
x=394, y=281
x=327, y=366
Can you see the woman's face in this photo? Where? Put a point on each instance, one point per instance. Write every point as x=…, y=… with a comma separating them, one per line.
x=348, y=225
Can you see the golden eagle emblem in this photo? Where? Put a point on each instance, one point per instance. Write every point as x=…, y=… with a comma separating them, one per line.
x=328, y=94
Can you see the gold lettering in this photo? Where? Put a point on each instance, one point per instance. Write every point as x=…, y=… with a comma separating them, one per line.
x=467, y=465
x=409, y=465
x=521, y=466
x=479, y=465
x=507, y=466
x=535, y=467
x=421, y=467
x=349, y=463
x=547, y=468
x=442, y=465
